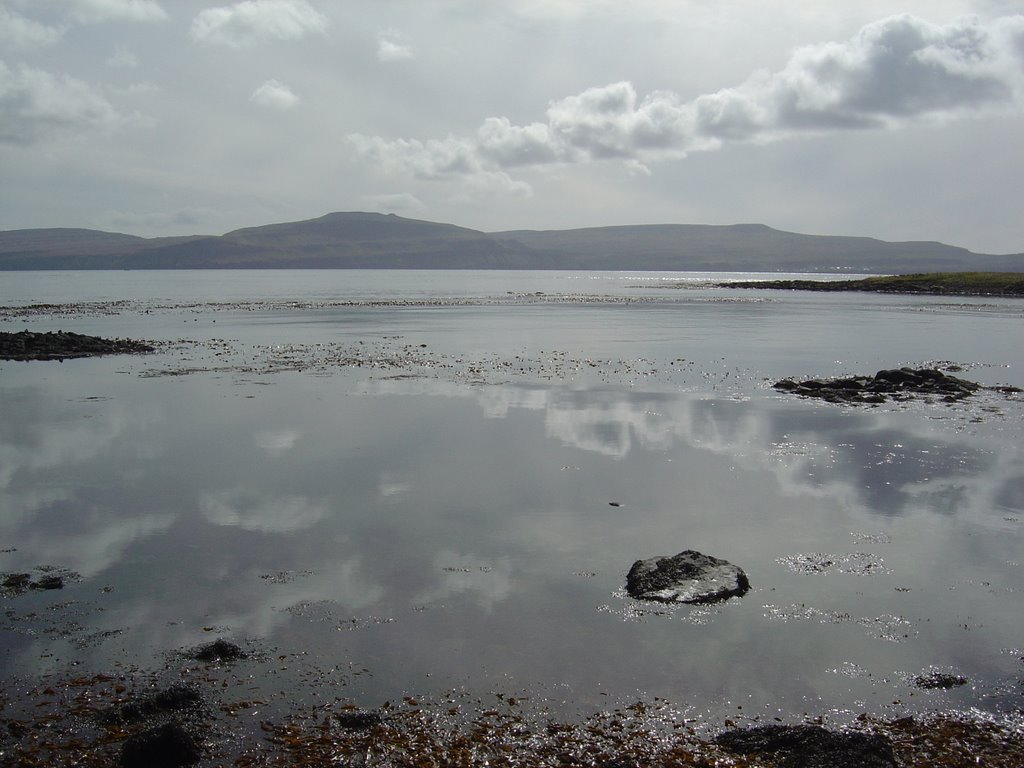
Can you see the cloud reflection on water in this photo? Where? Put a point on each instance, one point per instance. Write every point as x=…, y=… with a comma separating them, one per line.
x=470, y=514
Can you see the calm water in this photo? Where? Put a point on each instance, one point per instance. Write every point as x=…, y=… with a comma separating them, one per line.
x=447, y=521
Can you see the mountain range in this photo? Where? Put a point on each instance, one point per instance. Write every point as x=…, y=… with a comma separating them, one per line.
x=386, y=241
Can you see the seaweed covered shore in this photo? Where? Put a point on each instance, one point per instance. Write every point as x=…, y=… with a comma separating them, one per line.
x=202, y=710
x=929, y=283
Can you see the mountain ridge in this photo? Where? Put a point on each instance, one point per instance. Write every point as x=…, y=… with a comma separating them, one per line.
x=361, y=240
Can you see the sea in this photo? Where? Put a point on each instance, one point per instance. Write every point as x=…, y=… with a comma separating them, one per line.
x=398, y=484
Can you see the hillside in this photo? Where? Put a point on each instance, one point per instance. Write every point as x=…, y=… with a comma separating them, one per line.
x=372, y=240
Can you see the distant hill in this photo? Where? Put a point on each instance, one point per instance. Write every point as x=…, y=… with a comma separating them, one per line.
x=379, y=241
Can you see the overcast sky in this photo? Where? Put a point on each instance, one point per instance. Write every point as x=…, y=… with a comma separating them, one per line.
x=897, y=120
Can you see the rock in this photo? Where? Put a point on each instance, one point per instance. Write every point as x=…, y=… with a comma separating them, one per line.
x=358, y=719
x=173, y=699
x=811, y=746
x=895, y=383
x=689, y=577
x=49, y=582
x=218, y=650
x=17, y=581
x=939, y=681
x=166, y=746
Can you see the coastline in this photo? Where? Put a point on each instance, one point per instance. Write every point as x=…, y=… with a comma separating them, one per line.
x=929, y=284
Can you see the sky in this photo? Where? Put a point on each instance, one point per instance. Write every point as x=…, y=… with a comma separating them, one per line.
x=895, y=120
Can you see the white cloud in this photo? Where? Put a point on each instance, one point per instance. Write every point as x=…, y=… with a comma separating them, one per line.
x=895, y=71
x=275, y=95
x=91, y=11
x=35, y=103
x=254, y=21
x=17, y=31
x=122, y=58
x=390, y=47
x=400, y=202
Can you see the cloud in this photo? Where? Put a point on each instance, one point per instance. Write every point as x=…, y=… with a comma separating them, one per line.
x=400, y=202
x=893, y=72
x=92, y=11
x=254, y=21
x=16, y=31
x=275, y=95
x=35, y=103
x=390, y=48
x=435, y=160
x=122, y=58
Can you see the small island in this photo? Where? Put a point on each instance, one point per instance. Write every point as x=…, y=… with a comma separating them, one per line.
x=928, y=283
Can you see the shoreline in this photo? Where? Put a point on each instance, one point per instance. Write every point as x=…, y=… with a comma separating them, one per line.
x=217, y=717
x=1009, y=284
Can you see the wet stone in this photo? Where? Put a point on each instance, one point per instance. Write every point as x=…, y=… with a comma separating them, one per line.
x=176, y=698
x=218, y=650
x=689, y=577
x=49, y=582
x=933, y=681
x=17, y=581
x=358, y=719
x=166, y=746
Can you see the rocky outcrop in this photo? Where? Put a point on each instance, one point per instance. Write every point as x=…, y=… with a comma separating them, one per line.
x=896, y=384
x=811, y=746
x=689, y=577
x=62, y=345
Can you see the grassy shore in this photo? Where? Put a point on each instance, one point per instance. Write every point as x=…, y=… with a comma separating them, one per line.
x=930, y=283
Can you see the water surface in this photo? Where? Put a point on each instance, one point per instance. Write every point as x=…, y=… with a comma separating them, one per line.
x=465, y=518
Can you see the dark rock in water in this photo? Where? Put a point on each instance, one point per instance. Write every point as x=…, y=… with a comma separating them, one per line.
x=166, y=746
x=173, y=699
x=60, y=345
x=811, y=746
x=49, y=582
x=218, y=650
x=897, y=383
x=689, y=577
x=17, y=581
x=939, y=681
x=358, y=719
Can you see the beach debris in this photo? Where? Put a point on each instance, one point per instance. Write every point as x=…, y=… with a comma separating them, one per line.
x=689, y=577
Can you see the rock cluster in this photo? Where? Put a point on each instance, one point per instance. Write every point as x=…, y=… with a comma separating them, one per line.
x=17, y=583
x=689, y=577
x=61, y=345
x=897, y=384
